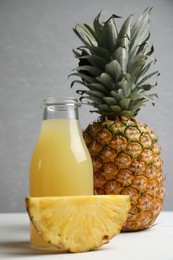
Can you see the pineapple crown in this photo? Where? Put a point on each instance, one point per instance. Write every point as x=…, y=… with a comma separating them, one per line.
x=114, y=65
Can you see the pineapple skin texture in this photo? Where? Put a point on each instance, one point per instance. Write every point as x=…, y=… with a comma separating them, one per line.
x=127, y=160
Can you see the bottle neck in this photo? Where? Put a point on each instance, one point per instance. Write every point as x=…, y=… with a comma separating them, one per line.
x=60, y=108
x=53, y=112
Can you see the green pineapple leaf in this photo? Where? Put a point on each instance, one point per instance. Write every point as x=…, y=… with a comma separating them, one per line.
x=106, y=80
x=99, y=87
x=114, y=69
x=109, y=34
x=110, y=100
x=91, y=69
x=85, y=34
x=98, y=27
x=121, y=55
x=97, y=51
x=83, y=76
x=144, y=79
x=95, y=61
x=114, y=66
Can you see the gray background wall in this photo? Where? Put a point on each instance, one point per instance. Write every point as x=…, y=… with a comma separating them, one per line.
x=36, y=42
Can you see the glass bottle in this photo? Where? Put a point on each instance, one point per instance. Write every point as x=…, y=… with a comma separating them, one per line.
x=60, y=164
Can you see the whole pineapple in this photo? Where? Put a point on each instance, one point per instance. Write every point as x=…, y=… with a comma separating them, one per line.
x=114, y=71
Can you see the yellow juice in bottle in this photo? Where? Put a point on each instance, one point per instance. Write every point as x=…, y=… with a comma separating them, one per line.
x=60, y=165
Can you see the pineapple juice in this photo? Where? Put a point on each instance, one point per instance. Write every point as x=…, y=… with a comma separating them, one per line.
x=60, y=165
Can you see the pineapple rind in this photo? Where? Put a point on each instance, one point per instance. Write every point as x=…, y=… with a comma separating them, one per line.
x=127, y=160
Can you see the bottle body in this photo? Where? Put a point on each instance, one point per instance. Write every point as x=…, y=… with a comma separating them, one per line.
x=61, y=164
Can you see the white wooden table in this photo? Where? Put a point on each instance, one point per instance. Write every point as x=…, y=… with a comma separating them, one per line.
x=155, y=243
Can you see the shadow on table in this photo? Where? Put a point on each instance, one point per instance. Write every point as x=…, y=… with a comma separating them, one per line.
x=23, y=248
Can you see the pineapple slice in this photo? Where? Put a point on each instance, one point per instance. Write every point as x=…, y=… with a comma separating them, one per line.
x=78, y=223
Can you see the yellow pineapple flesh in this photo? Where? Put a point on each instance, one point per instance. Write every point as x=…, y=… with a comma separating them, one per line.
x=78, y=223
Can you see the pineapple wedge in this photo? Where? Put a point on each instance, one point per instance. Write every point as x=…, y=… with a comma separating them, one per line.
x=78, y=223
